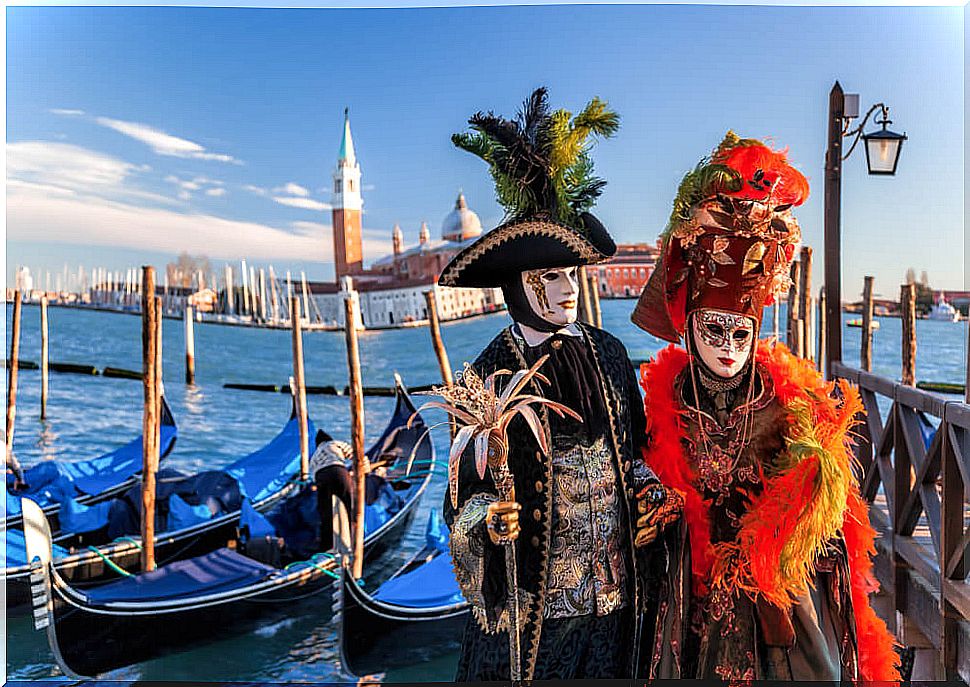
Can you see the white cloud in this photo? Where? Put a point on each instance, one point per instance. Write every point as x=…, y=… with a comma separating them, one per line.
x=163, y=143
x=36, y=216
x=66, y=112
x=305, y=203
x=64, y=165
x=292, y=189
x=216, y=192
x=61, y=168
x=258, y=190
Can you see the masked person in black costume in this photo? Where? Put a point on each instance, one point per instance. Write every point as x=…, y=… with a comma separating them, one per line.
x=583, y=508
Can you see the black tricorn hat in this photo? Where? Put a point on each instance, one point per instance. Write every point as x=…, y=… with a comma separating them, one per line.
x=529, y=244
x=543, y=178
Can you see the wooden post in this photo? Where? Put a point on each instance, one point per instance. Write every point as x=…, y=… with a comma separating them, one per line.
x=907, y=311
x=833, y=227
x=594, y=295
x=189, y=346
x=585, y=309
x=806, y=341
x=159, y=388
x=794, y=303
x=356, y=430
x=865, y=354
x=44, y=357
x=12, y=365
x=966, y=382
x=149, y=347
x=438, y=344
x=822, y=314
x=300, y=379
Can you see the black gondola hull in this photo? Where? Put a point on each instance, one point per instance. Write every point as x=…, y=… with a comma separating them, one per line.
x=376, y=638
x=93, y=570
x=91, y=643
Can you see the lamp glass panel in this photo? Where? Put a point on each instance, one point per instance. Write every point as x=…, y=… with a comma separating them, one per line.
x=882, y=154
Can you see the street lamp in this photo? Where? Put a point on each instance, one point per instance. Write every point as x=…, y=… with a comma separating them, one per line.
x=882, y=155
x=882, y=147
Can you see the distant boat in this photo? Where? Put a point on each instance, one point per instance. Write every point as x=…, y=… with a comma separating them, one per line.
x=943, y=311
x=857, y=322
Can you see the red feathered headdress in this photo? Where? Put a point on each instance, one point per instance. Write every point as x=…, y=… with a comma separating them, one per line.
x=731, y=238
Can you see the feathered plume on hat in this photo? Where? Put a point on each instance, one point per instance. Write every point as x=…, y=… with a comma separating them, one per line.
x=543, y=173
x=730, y=239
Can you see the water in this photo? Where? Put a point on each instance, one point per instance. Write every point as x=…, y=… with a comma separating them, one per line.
x=91, y=415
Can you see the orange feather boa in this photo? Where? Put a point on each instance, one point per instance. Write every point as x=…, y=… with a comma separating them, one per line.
x=809, y=500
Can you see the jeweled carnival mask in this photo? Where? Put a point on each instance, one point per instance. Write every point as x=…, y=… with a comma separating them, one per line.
x=723, y=340
x=552, y=294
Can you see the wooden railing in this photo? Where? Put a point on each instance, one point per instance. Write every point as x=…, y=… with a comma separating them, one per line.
x=917, y=479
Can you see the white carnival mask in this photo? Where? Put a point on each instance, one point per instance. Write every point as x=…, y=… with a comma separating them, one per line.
x=723, y=340
x=552, y=294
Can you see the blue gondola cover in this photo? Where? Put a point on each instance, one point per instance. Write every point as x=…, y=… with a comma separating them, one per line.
x=220, y=571
x=429, y=586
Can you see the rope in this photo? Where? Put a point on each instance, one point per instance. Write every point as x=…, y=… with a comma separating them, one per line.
x=130, y=541
x=110, y=563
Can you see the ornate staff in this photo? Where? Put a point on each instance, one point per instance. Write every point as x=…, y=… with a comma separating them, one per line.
x=484, y=414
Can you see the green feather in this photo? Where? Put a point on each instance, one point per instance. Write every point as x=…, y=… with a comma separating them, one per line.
x=540, y=160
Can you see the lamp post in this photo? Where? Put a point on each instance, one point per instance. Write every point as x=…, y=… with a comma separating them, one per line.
x=882, y=155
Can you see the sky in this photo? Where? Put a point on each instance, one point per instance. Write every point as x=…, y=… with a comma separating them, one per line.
x=136, y=133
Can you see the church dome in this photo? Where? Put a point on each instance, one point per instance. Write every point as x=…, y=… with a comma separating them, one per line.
x=461, y=223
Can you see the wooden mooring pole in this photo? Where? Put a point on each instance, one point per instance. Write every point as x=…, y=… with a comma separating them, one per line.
x=300, y=379
x=585, y=309
x=865, y=354
x=806, y=338
x=594, y=296
x=189, y=345
x=907, y=311
x=356, y=430
x=821, y=329
x=966, y=383
x=12, y=364
x=434, y=325
x=149, y=348
x=44, y=357
x=794, y=316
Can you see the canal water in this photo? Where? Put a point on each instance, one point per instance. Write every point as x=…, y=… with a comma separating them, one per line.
x=92, y=415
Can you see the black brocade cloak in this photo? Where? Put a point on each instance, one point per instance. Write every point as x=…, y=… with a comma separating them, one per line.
x=625, y=433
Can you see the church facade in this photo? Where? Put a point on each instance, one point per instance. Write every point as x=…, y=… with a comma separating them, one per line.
x=391, y=291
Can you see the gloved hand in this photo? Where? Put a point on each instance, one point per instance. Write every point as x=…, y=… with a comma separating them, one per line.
x=657, y=507
x=502, y=521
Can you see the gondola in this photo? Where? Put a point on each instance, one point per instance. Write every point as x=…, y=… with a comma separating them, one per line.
x=416, y=615
x=87, y=482
x=104, y=542
x=203, y=599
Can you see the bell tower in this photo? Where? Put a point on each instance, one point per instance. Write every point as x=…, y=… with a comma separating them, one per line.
x=347, y=205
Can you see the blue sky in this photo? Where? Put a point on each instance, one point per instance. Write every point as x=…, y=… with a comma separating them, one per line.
x=135, y=132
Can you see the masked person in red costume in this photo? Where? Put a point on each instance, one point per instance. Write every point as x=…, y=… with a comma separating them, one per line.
x=769, y=575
